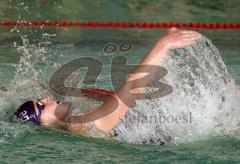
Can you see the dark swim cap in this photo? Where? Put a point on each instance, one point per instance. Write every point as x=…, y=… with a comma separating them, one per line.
x=27, y=113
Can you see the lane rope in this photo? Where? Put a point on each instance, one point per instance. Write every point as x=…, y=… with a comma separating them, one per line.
x=123, y=24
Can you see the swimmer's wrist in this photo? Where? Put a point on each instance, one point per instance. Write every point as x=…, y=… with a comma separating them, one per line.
x=160, y=49
x=163, y=44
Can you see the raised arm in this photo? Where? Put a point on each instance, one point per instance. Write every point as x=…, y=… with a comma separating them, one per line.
x=112, y=110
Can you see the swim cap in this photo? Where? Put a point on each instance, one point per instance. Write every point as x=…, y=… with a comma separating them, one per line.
x=27, y=113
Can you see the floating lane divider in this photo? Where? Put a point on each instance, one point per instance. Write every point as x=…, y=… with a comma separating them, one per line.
x=120, y=24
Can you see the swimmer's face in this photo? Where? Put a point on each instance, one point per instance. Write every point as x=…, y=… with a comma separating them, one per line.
x=54, y=112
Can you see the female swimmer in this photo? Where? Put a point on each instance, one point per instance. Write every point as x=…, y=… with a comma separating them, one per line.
x=48, y=112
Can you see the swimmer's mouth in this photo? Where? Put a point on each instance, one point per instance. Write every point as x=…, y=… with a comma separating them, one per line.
x=58, y=102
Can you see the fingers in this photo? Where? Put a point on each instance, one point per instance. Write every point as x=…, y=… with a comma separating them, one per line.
x=171, y=30
x=189, y=37
x=195, y=36
x=190, y=33
x=175, y=30
x=176, y=38
x=188, y=40
x=184, y=40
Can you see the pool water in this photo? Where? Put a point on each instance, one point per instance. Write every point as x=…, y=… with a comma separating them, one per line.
x=30, y=55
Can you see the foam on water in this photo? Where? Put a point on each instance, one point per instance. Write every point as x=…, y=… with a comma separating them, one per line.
x=204, y=102
x=31, y=82
x=24, y=86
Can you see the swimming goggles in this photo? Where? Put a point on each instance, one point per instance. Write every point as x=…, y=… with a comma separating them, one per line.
x=40, y=107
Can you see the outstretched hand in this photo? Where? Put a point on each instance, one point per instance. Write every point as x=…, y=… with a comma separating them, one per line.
x=176, y=38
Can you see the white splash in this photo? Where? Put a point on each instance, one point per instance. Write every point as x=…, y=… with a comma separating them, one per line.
x=204, y=101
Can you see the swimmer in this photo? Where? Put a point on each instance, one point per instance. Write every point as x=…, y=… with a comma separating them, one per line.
x=51, y=113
